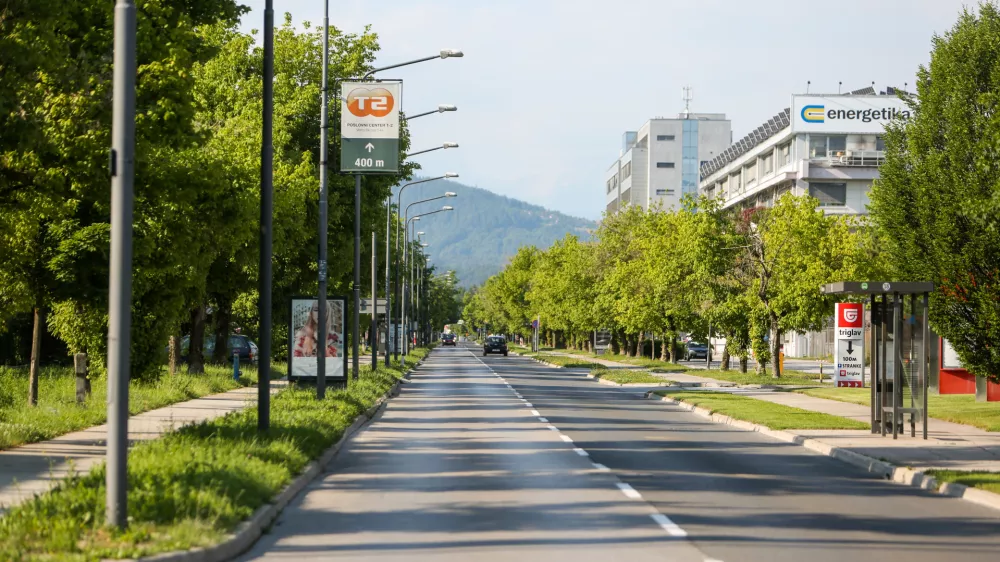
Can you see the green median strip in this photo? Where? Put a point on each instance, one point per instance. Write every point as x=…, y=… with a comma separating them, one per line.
x=57, y=412
x=761, y=412
x=621, y=376
x=989, y=481
x=563, y=361
x=956, y=408
x=191, y=487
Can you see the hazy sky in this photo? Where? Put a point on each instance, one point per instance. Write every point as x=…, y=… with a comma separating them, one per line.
x=547, y=87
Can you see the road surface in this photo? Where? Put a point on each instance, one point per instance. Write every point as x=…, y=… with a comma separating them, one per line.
x=462, y=466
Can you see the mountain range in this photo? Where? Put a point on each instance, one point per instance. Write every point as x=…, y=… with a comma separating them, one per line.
x=478, y=238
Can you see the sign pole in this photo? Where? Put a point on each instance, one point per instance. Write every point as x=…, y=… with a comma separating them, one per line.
x=374, y=329
x=388, y=268
x=357, y=274
x=120, y=283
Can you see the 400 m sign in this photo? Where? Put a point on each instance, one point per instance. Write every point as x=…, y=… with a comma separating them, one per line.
x=369, y=126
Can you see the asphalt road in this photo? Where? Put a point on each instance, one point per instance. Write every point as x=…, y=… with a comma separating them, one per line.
x=462, y=466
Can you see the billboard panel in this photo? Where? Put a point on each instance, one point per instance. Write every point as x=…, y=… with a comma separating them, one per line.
x=369, y=126
x=846, y=114
x=303, y=330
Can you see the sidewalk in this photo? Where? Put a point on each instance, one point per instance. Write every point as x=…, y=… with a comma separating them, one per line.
x=33, y=469
x=682, y=378
x=949, y=446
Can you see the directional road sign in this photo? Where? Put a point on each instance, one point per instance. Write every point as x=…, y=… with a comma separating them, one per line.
x=366, y=306
x=849, y=354
x=369, y=126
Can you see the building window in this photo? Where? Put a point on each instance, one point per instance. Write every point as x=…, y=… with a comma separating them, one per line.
x=664, y=137
x=664, y=164
x=837, y=145
x=668, y=192
x=766, y=164
x=627, y=170
x=784, y=154
x=880, y=144
x=829, y=194
x=750, y=174
x=689, y=158
x=817, y=146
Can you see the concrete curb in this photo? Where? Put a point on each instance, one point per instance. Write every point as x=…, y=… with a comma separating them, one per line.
x=247, y=533
x=665, y=384
x=891, y=472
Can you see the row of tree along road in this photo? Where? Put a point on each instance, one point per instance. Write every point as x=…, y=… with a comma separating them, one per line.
x=754, y=274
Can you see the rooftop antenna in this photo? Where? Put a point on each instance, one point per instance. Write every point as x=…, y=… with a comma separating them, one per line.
x=839, y=86
x=687, y=101
x=808, y=83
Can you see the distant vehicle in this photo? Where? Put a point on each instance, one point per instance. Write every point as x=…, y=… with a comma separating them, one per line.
x=696, y=350
x=495, y=344
x=238, y=344
x=448, y=339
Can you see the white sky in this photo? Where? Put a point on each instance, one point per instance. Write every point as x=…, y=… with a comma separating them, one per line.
x=547, y=87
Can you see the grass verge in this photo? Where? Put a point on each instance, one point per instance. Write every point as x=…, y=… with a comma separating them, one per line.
x=751, y=378
x=626, y=376
x=957, y=408
x=57, y=412
x=989, y=481
x=768, y=414
x=189, y=488
x=563, y=361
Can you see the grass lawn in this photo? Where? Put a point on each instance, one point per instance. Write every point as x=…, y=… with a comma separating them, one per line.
x=626, y=377
x=989, y=481
x=189, y=488
x=957, y=408
x=769, y=414
x=57, y=412
x=734, y=376
x=563, y=361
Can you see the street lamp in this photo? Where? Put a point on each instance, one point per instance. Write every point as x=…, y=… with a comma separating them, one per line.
x=443, y=54
x=407, y=261
x=441, y=109
x=443, y=146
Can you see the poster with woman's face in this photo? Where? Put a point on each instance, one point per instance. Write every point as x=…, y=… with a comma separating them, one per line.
x=304, y=332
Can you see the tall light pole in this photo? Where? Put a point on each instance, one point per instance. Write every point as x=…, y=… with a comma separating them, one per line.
x=266, y=212
x=120, y=279
x=399, y=195
x=406, y=262
x=323, y=204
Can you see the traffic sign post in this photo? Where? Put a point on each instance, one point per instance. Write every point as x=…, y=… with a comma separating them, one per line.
x=367, y=306
x=369, y=127
x=850, y=347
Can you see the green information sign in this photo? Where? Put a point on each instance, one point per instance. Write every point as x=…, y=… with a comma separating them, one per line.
x=369, y=127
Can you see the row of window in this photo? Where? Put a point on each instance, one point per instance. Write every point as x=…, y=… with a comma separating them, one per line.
x=826, y=146
x=664, y=137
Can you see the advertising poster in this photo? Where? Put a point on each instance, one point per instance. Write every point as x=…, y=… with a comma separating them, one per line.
x=304, y=331
x=850, y=347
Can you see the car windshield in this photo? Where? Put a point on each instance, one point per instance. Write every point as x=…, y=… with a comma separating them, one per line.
x=495, y=340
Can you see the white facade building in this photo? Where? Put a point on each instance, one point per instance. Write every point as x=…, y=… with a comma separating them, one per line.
x=827, y=146
x=659, y=163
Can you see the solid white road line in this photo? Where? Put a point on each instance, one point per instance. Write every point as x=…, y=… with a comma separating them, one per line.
x=629, y=491
x=669, y=526
x=580, y=452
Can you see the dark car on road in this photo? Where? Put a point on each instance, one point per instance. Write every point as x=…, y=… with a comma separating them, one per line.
x=449, y=339
x=696, y=350
x=238, y=345
x=495, y=344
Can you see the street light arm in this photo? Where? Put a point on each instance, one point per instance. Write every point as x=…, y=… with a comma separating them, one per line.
x=423, y=151
x=441, y=109
x=444, y=54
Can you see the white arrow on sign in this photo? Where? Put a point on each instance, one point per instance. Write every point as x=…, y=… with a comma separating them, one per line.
x=369, y=147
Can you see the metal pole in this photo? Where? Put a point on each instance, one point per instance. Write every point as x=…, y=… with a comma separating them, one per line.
x=266, y=211
x=401, y=334
x=357, y=272
x=925, y=357
x=374, y=329
x=388, y=269
x=323, y=204
x=120, y=282
x=399, y=289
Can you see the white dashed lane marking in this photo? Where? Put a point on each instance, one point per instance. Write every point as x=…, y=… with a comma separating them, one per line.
x=629, y=491
x=669, y=526
x=580, y=452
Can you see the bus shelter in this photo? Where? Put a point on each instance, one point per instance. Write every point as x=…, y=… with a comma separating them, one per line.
x=900, y=341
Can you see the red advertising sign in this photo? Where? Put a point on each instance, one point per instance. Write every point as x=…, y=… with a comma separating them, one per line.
x=850, y=315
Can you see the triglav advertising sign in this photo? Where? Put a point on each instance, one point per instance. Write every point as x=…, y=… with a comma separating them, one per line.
x=369, y=126
x=849, y=352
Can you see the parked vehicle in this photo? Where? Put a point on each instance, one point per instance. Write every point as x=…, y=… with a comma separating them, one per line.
x=495, y=344
x=238, y=344
x=696, y=350
x=449, y=339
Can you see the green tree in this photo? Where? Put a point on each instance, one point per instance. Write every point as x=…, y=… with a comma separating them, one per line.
x=936, y=205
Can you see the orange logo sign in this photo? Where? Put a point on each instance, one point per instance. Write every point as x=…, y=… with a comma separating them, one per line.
x=377, y=102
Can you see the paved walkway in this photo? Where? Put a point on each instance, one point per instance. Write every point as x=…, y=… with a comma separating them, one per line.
x=949, y=445
x=33, y=469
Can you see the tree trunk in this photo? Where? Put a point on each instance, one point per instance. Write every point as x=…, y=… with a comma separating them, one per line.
x=743, y=364
x=223, y=316
x=639, y=345
x=776, y=348
x=725, y=359
x=673, y=348
x=196, y=348
x=174, y=358
x=663, y=348
x=628, y=345
x=616, y=347
x=36, y=356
